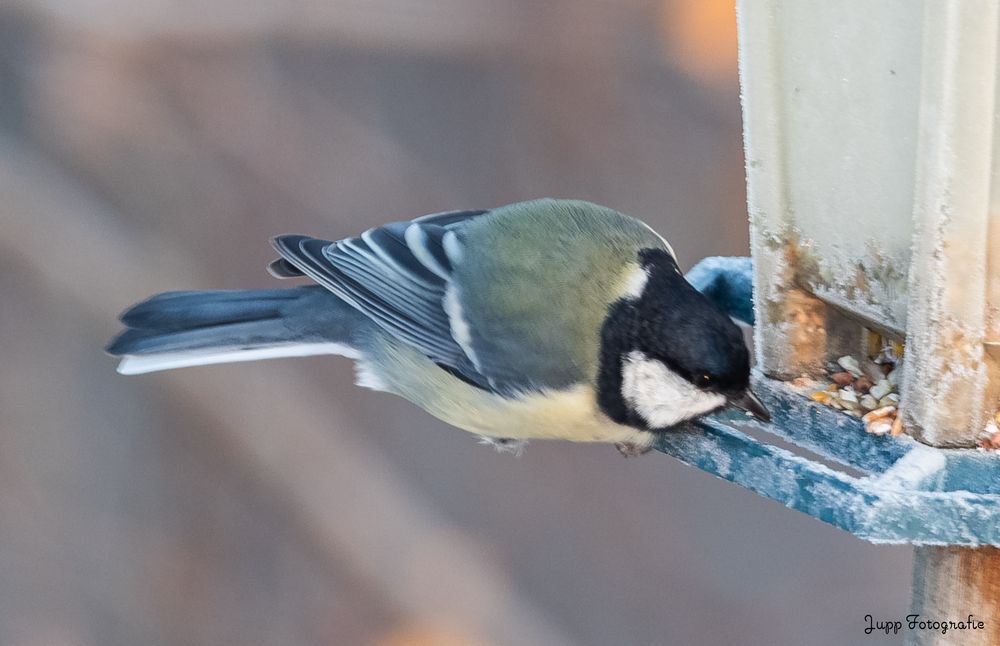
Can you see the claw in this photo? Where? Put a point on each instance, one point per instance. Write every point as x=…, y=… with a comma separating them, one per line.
x=630, y=450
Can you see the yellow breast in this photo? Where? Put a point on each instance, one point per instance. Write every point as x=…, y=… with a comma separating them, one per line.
x=566, y=414
x=570, y=414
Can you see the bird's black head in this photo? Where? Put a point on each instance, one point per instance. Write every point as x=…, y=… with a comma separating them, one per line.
x=668, y=354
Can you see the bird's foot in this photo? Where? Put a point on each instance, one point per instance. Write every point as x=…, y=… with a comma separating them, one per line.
x=505, y=444
x=633, y=450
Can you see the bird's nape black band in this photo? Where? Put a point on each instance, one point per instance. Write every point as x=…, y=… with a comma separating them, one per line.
x=616, y=341
x=658, y=259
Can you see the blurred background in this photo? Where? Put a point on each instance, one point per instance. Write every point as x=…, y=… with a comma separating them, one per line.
x=157, y=145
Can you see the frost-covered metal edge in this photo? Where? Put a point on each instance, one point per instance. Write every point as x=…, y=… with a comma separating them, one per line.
x=906, y=492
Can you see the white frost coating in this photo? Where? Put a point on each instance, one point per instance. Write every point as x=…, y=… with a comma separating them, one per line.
x=723, y=462
x=890, y=513
x=635, y=283
x=460, y=329
x=918, y=465
x=137, y=365
x=416, y=239
x=662, y=397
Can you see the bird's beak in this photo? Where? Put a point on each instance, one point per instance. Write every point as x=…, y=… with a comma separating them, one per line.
x=748, y=402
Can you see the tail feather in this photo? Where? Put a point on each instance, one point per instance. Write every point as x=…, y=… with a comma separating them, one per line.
x=179, y=329
x=236, y=333
x=140, y=364
x=185, y=310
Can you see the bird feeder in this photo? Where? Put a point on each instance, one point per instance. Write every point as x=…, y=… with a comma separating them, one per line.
x=873, y=177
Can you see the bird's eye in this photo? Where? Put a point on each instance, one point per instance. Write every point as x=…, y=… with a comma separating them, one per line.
x=706, y=379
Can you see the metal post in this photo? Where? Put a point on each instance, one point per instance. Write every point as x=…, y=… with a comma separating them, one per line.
x=952, y=378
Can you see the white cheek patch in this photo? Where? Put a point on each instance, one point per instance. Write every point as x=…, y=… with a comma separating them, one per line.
x=662, y=397
x=635, y=283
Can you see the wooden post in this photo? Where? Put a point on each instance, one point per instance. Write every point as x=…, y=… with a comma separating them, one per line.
x=950, y=584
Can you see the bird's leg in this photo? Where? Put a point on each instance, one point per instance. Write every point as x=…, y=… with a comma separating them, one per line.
x=505, y=444
x=633, y=450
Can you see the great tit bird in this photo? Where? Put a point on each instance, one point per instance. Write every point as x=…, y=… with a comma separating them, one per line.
x=553, y=319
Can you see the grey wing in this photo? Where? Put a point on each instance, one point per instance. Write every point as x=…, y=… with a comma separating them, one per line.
x=397, y=275
x=282, y=268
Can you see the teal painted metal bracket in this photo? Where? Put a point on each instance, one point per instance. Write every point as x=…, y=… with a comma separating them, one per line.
x=727, y=281
x=879, y=488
